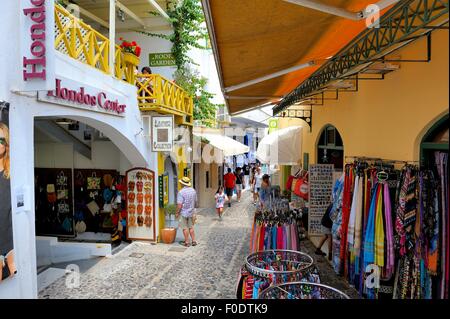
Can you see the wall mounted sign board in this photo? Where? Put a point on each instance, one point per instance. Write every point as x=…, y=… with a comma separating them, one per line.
x=162, y=133
x=320, y=190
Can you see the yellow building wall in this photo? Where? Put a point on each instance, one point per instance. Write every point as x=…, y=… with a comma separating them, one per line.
x=387, y=118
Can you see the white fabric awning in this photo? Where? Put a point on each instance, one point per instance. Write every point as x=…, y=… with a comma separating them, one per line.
x=227, y=145
x=281, y=147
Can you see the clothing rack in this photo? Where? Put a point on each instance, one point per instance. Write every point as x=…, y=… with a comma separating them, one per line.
x=380, y=160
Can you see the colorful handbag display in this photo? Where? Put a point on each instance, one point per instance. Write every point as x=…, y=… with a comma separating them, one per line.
x=93, y=182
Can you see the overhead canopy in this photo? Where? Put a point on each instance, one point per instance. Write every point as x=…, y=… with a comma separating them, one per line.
x=281, y=147
x=253, y=39
x=227, y=145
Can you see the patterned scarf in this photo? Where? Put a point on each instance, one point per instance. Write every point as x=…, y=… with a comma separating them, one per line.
x=369, y=240
x=379, y=229
x=390, y=258
x=406, y=212
x=346, y=202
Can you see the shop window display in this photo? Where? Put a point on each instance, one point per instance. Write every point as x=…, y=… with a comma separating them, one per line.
x=88, y=204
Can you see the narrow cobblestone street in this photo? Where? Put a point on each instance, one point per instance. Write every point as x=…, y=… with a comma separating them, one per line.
x=209, y=270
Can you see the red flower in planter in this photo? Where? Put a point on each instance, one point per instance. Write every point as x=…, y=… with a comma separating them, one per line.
x=131, y=47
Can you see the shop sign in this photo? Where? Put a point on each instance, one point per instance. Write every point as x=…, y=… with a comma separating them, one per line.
x=37, y=52
x=74, y=94
x=320, y=190
x=162, y=133
x=162, y=59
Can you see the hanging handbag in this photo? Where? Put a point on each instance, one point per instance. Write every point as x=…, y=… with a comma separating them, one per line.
x=80, y=227
x=326, y=220
x=107, y=222
x=93, y=182
x=302, y=189
x=294, y=183
x=107, y=208
x=62, y=194
x=108, y=180
x=67, y=225
x=63, y=207
x=93, y=207
x=120, y=226
x=51, y=193
x=289, y=182
x=79, y=179
x=61, y=179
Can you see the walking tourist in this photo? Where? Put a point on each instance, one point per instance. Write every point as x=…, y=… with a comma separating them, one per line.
x=327, y=224
x=186, y=200
x=220, y=201
x=230, y=183
x=257, y=180
x=239, y=183
x=264, y=191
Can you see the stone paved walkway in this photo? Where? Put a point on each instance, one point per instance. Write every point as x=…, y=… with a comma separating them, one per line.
x=209, y=270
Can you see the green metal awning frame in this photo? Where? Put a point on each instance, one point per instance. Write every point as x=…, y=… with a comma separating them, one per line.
x=406, y=22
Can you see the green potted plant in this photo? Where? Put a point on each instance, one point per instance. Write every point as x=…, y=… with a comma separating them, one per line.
x=170, y=211
x=168, y=234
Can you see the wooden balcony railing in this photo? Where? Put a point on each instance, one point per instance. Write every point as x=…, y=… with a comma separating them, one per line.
x=156, y=93
x=81, y=42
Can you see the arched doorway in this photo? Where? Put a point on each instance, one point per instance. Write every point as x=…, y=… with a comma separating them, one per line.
x=436, y=139
x=330, y=148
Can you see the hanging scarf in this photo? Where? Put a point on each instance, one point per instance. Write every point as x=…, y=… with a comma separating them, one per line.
x=406, y=212
x=390, y=257
x=379, y=229
x=358, y=224
x=348, y=183
x=369, y=240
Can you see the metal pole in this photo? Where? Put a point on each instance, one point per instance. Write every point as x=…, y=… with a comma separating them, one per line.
x=112, y=36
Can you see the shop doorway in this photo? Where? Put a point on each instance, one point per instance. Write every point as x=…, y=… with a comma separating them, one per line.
x=79, y=173
x=330, y=148
x=171, y=170
x=435, y=140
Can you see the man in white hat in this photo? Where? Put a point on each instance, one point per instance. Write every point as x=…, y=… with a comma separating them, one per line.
x=186, y=200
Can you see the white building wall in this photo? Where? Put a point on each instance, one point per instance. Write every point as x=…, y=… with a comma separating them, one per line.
x=124, y=132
